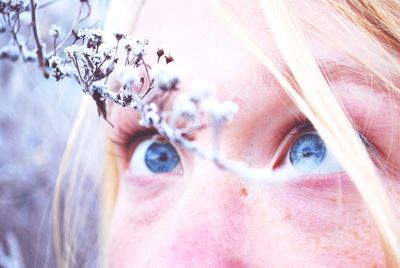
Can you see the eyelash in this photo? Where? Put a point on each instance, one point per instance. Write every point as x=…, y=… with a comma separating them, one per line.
x=300, y=125
x=128, y=136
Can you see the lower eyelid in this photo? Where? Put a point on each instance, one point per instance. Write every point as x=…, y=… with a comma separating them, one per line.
x=148, y=187
x=323, y=183
x=148, y=181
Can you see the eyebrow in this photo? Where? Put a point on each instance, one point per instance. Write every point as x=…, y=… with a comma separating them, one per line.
x=342, y=70
x=339, y=70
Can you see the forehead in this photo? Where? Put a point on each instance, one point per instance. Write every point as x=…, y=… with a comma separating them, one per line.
x=204, y=47
x=200, y=43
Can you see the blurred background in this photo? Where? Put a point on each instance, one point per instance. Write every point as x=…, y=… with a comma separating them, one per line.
x=36, y=116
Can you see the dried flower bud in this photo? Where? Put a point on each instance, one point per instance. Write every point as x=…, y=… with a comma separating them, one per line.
x=128, y=48
x=95, y=38
x=124, y=97
x=133, y=105
x=3, y=6
x=81, y=33
x=58, y=73
x=129, y=76
x=56, y=31
x=119, y=36
x=221, y=111
x=169, y=59
x=96, y=58
x=150, y=116
x=107, y=51
x=8, y=6
x=72, y=51
x=139, y=49
x=9, y=52
x=54, y=61
x=30, y=56
x=100, y=88
x=165, y=77
x=184, y=107
x=160, y=52
x=201, y=90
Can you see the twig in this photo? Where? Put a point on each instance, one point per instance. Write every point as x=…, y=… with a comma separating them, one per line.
x=39, y=46
x=76, y=21
x=48, y=3
x=21, y=51
x=54, y=46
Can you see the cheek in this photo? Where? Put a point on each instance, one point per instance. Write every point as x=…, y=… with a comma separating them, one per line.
x=134, y=237
x=314, y=228
x=223, y=223
x=136, y=225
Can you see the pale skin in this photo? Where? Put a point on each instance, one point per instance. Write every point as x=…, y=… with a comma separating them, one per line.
x=201, y=216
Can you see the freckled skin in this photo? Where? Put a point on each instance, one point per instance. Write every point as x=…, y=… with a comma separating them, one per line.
x=209, y=218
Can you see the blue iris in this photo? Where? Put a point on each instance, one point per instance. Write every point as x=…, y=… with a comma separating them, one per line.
x=308, y=152
x=161, y=157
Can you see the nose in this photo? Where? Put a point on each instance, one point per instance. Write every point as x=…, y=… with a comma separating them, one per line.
x=208, y=225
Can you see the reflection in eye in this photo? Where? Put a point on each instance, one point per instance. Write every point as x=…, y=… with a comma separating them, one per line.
x=309, y=154
x=153, y=157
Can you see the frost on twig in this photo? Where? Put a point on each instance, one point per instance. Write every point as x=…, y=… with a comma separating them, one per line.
x=26, y=42
x=149, y=89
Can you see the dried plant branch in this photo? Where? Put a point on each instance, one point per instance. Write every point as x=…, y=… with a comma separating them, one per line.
x=39, y=47
x=19, y=45
x=143, y=87
x=78, y=19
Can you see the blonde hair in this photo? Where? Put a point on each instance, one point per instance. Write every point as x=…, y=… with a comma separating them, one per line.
x=375, y=22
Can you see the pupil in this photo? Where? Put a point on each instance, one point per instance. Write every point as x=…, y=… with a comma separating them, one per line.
x=308, y=152
x=161, y=157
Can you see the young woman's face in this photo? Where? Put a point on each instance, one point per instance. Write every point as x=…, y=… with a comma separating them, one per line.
x=185, y=212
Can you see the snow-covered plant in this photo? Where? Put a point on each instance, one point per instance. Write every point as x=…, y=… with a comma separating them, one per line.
x=84, y=55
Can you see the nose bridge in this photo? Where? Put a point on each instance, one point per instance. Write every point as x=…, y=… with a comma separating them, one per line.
x=212, y=194
x=208, y=221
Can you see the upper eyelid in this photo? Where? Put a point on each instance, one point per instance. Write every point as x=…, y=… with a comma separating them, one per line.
x=298, y=129
x=125, y=136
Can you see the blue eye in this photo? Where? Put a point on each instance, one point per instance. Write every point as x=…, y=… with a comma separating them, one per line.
x=152, y=157
x=161, y=157
x=309, y=154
